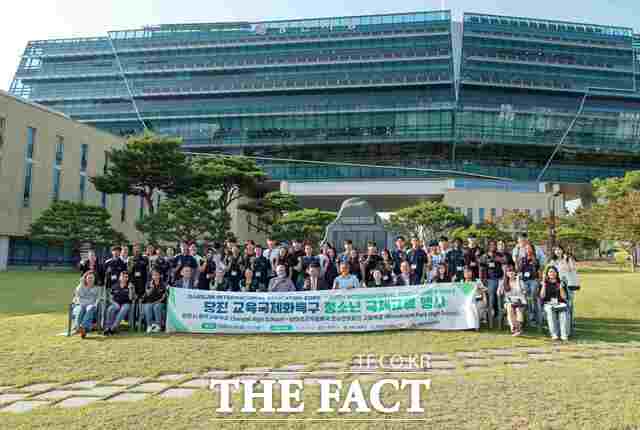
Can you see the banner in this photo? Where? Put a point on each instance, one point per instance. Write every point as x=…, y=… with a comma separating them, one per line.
x=427, y=307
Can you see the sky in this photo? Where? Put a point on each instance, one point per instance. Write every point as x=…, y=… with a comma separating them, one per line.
x=25, y=20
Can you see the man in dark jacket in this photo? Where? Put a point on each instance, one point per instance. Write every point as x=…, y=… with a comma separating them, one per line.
x=139, y=270
x=314, y=281
x=113, y=267
x=455, y=261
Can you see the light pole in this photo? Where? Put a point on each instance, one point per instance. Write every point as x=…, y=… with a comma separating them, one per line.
x=552, y=221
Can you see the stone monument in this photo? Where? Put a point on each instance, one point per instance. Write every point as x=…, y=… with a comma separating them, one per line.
x=358, y=222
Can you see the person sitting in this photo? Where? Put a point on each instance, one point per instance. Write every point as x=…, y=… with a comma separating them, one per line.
x=345, y=280
x=122, y=295
x=91, y=264
x=219, y=282
x=441, y=274
x=314, y=281
x=554, y=300
x=406, y=277
x=514, y=292
x=380, y=280
x=85, y=300
x=481, y=301
x=282, y=283
x=154, y=302
x=186, y=280
x=248, y=283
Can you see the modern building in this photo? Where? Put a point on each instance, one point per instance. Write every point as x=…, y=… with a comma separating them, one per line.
x=47, y=156
x=487, y=98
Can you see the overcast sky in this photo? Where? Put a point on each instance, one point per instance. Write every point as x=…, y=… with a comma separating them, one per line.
x=24, y=20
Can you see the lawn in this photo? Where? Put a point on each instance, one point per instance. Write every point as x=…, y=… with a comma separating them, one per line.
x=574, y=394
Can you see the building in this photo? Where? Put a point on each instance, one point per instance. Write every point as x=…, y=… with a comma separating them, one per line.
x=486, y=98
x=47, y=156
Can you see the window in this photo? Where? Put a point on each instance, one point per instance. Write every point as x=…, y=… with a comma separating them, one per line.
x=83, y=187
x=123, y=210
x=59, y=151
x=470, y=214
x=31, y=142
x=539, y=214
x=57, y=168
x=84, y=149
x=481, y=215
x=494, y=213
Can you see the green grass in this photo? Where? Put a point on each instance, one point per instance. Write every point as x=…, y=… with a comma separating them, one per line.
x=578, y=395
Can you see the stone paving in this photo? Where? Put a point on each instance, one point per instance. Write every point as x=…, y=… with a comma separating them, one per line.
x=74, y=394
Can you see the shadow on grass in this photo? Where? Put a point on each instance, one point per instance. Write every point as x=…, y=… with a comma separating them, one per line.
x=608, y=330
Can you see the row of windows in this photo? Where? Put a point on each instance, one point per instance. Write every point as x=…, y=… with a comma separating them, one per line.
x=30, y=151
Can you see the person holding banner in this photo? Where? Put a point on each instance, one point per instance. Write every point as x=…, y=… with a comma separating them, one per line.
x=514, y=293
x=554, y=299
x=481, y=291
x=346, y=280
x=282, y=283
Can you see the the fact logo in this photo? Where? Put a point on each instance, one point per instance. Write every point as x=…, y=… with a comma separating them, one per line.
x=334, y=395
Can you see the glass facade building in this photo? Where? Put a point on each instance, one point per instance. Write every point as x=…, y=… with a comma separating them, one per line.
x=490, y=95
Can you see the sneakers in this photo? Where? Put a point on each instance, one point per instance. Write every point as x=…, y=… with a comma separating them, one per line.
x=83, y=332
x=156, y=328
x=150, y=328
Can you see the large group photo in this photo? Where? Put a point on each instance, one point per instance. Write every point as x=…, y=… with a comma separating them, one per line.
x=336, y=215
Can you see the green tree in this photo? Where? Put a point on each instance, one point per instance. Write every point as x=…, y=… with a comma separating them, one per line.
x=228, y=179
x=269, y=209
x=623, y=222
x=307, y=224
x=426, y=220
x=146, y=165
x=77, y=223
x=613, y=188
x=191, y=217
x=484, y=232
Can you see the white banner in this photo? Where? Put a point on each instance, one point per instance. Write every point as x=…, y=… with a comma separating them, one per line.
x=428, y=307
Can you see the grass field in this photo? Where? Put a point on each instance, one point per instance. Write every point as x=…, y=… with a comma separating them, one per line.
x=577, y=393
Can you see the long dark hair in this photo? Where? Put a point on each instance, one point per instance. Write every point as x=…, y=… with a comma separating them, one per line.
x=546, y=275
x=506, y=284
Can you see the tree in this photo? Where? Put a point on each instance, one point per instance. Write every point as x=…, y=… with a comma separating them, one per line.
x=191, y=217
x=425, y=220
x=270, y=209
x=146, y=165
x=623, y=222
x=77, y=223
x=484, y=232
x=613, y=188
x=307, y=224
x=228, y=179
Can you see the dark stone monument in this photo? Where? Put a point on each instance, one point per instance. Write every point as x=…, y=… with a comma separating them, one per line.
x=358, y=222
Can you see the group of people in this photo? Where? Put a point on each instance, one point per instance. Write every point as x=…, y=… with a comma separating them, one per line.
x=522, y=277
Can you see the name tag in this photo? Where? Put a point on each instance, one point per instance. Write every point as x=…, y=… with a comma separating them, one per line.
x=137, y=274
x=258, y=274
x=472, y=264
x=234, y=273
x=459, y=268
x=414, y=266
x=114, y=277
x=385, y=278
x=527, y=274
x=492, y=265
x=554, y=301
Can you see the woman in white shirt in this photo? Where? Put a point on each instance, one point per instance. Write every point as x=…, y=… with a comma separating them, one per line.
x=514, y=292
x=346, y=280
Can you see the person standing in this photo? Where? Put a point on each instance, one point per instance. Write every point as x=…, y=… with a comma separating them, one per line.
x=472, y=255
x=529, y=268
x=417, y=259
x=491, y=273
x=554, y=298
x=113, y=267
x=138, y=270
x=455, y=261
x=208, y=270
x=434, y=258
x=331, y=269
x=370, y=262
x=261, y=269
x=234, y=268
x=399, y=254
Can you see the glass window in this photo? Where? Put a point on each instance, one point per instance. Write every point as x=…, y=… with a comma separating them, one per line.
x=494, y=213
x=59, y=151
x=470, y=214
x=55, y=196
x=84, y=150
x=31, y=142
x=481, y=215
x=26, y=195
x=83, y=188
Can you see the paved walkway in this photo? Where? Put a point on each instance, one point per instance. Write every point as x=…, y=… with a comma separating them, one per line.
x=20, y=399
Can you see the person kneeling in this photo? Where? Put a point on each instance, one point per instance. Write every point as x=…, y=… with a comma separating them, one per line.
x=554, y=299
x=514, y=292
x=122, y=295
x=154, y=302
x=86, y=303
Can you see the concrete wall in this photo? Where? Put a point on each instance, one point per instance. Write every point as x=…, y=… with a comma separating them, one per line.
x=17, y=115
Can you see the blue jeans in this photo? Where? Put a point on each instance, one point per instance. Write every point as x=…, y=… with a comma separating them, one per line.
x=115, y=314
x=558, y=320
x=533, y=307
x=85, y=314
x=492, y=285
x=153, y=313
